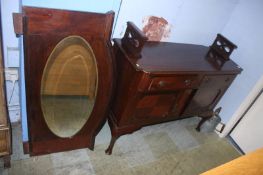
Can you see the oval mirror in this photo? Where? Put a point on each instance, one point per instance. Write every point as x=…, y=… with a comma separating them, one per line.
x=69, y=86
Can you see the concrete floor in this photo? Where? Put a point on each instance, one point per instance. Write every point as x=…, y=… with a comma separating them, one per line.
x=173, y=148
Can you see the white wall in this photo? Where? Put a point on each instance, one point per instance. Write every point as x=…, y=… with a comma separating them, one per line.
x=9, y=38
x=192, y=21
x=245, y=29
x=11, y=57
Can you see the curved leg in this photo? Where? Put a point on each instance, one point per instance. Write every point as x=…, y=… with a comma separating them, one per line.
x=201, y=123
x=207, y=115
x=110, y=147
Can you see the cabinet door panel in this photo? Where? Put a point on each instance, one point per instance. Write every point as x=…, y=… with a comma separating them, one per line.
x=155, y=105
x=208, y=94
x=158, y=107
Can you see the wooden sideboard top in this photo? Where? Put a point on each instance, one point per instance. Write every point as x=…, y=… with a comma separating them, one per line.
x=158, y=57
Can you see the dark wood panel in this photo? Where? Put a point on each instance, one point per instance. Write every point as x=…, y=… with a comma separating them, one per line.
x=18, y=23
x=44, y=20
x=167, y=58
x=209, y=93
x=173, y=83
x=154, y=105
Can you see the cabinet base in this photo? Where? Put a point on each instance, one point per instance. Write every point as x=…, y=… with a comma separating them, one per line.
x=117, y=131
x=58, y=145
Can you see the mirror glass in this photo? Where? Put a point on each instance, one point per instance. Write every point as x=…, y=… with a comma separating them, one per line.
x=69, y=86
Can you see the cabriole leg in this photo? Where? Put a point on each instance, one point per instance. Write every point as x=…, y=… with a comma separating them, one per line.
x=207, y=115
x=112, y=142
x=201, y=123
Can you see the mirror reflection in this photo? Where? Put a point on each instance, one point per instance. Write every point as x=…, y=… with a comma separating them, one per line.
x=69, y=86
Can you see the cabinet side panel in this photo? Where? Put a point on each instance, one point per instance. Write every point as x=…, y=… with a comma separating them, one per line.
x=125, y=93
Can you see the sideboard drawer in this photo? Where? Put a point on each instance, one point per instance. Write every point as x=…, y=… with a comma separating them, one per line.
x=173, y=83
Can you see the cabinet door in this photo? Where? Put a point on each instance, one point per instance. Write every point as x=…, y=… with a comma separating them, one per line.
x=157, y=107
x=209, y=93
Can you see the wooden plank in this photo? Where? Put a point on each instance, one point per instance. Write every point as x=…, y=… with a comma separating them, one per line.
x=18, y=23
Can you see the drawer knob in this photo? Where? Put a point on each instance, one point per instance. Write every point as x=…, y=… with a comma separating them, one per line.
x=187, y=82
x=161, y=83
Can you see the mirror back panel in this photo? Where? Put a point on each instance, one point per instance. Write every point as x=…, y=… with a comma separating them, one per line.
x=69, y=76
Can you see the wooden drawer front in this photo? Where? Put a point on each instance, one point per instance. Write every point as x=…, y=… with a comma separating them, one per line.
x=173, y=83
x=4, y=141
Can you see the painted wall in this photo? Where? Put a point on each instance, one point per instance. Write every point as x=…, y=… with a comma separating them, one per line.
x=245, y=29
x=9, y=38
x=11, y=58
x=191, y=21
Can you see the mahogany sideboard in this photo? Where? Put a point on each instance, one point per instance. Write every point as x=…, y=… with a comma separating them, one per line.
x=164, y=82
